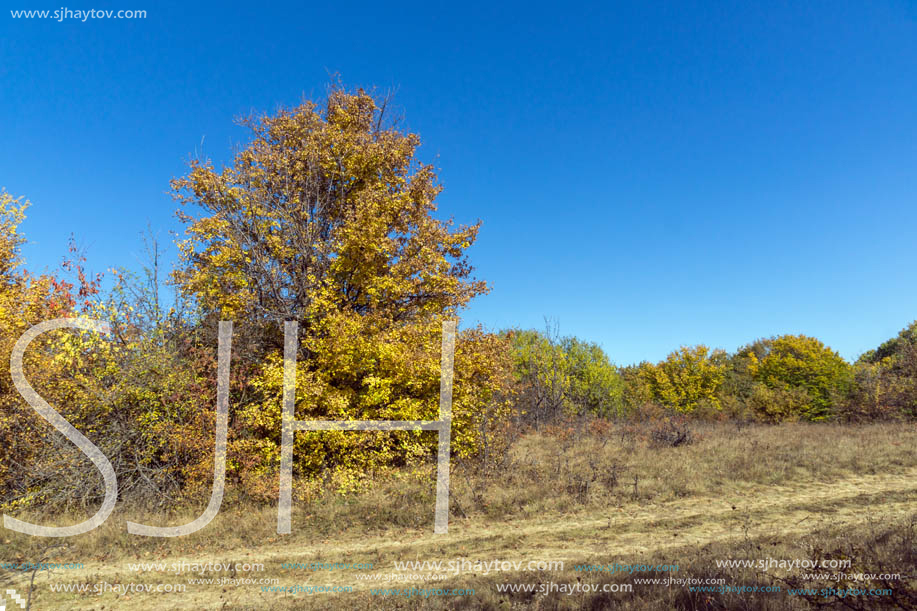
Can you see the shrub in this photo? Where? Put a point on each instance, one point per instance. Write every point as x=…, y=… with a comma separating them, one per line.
x=672, y=432
x=687, y=378
x=806, y=376
x=778, y=404
x=564, y=376
x=885, y=381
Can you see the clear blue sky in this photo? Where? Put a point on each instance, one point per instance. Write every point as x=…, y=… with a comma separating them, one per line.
x=648, y=174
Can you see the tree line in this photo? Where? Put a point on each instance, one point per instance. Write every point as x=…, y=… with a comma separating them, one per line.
x=327, y=217
x=776, y=379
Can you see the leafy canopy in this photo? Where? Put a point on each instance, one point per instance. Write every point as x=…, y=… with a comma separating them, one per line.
x=564, y=375
x=687, y=378
x=325, y=210
x=802, y=363
x=327, y=218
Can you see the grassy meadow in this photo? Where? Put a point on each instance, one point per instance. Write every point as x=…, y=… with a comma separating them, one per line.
x=585, y=492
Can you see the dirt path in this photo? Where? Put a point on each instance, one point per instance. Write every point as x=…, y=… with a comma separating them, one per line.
x=613, y=534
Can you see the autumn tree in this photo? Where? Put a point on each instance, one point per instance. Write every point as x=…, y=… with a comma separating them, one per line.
x=885, y=384
x=326, y=217
x=14, y=445
x=563, y=376
x=687, y=378
x=12, y=213
x=596, y=386
x=326, y=211
x=540, y=368
x=802, y=377
x=26, y=300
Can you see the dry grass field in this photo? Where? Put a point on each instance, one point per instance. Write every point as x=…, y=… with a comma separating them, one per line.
x=582, y=494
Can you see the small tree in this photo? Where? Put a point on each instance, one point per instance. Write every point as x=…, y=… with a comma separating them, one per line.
x=797, y=362
x=541, y=370
x=564, y=375
x=26, y=300
x=886, y=380
x=688, y=377
x=595, y=386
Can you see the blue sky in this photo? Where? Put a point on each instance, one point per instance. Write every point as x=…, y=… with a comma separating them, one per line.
x=649, y=174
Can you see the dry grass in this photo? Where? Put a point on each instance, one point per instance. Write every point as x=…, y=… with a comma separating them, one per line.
x=581, y=493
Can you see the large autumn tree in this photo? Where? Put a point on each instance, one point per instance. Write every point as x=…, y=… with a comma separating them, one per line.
x=327, y=218
x=325, y=210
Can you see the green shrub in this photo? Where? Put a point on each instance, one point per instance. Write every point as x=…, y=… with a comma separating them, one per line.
x=794, y=366
x=559, y=376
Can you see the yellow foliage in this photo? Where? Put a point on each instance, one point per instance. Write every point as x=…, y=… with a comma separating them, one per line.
x=327, y=218
x=688, y=377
